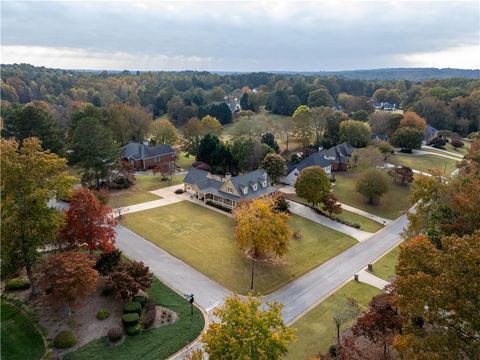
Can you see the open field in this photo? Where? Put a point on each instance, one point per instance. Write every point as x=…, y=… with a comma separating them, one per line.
x=140, y=192
x=20, y=340
x=316, y=330
x=204, y=239
x=263, y=119
x=157, y=343
x=395, y=201
x=384, y=267
x=425, y=163
x=365, y=223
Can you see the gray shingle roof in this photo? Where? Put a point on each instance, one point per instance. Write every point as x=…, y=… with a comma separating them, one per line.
x=338, y=154
x=139, y=151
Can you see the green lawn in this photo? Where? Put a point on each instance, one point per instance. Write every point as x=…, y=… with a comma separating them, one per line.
x=20, y=340
x=316, y=330
x=203, y=238
x=140, y=192
x=157, y=343
x=426, y=163
x=184, y=161
x=365, y=223
x=395, y=201
x=385, y=266
x=263, y=119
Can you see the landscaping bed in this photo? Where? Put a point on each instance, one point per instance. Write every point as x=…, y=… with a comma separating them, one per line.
x=316, y=330
x=203, y=238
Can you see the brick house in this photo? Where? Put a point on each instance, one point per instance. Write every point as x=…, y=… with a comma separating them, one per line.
x=144, y=157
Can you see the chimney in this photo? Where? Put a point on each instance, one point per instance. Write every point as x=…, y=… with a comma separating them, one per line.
x=228, y=176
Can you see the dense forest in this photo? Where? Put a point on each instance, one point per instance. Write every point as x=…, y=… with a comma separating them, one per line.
x=451, y=104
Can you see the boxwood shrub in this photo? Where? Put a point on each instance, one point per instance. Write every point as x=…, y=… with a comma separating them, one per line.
x=115, y=334
x=130, y=319
x=133, y=330
x=18, y=283
x=140, y=299
x=103, y=314
x=132, y=307
x=64, y=340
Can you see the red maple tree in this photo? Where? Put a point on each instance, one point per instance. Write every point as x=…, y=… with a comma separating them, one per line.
x=89, y=223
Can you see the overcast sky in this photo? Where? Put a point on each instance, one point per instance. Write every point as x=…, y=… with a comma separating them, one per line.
x=241, y=35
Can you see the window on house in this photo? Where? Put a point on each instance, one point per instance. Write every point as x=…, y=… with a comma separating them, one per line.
x=295, y=173
x=245, y=191
x=230, y=190
x=254, y=187
x=264, y=183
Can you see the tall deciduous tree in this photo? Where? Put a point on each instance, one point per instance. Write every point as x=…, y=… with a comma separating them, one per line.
x=356, y=133
x=319, y=121
x=312, y=184
x=269, y=139
x=211, y=125
x=407, y=138
x=439, y=292
x=94, y=149
x=30, y=178
x=246, y=331
x=320, y=97
x=331, y=205
x=368, y=157
x=275, y=166
x=372, y=183
x=248, y=152
x=128, y=123
x=261, y=230
x=32, y=121
x=303, y=132
x=89, y=222
x=192, y=135
x=284, y=130
x=69, y=276
x=163, y=132
x=128, y=279
x=412, y=120
x=347, y=310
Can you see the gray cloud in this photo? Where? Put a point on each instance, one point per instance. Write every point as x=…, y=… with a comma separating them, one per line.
x=247, y=35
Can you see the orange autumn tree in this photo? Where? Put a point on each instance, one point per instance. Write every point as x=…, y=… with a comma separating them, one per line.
x=69, y=276
x=89, y=223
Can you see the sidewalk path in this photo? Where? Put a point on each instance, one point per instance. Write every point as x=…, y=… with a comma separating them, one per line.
x=447, y=154
x=368, y=278
x=376, y=218
x=308, y=213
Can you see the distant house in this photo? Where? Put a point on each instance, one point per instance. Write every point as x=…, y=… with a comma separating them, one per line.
x=385, y=106
x=227, y=191
x=380, y=136
x=144, y=157
x=429, y=133
x=233, y=104
x=334, y=159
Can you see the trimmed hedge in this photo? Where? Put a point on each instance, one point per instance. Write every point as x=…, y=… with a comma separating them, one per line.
x=103, y=314
x=18, y=283
x=115, y=334
x=64, y=340
x=132, y=307
x=133, y=330
x=140, y=299
x=179, y=191
x=130, y=319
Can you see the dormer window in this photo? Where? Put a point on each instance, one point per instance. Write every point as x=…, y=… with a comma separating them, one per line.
x=264, y=183
x=245, y=191
x=229, y=190
x=254, y=187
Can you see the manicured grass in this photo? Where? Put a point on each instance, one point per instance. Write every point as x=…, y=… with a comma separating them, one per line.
x=262, y=116
x=184, y=161
x=20, y=340
x=140, y=192
x=385, y=266
x=316, y=330
x=365, y=223
x=204, y=239
x=426, y=163
x=157, y=343
x=395, y=201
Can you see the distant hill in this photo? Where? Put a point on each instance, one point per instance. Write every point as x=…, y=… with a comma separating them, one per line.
x=413, y=74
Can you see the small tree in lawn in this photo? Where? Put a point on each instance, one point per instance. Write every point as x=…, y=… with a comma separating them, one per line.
x=89, y=223
x=331, y=205
x=401, y=174
x=372, y=183
x=128, y=279
x=312, y=184
x=69, y=276
x=166, y=169
x=456, y=143
x=275, y=166
x=381, y=322
x=247, y=331
x=261, y=230
x=347, y=310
